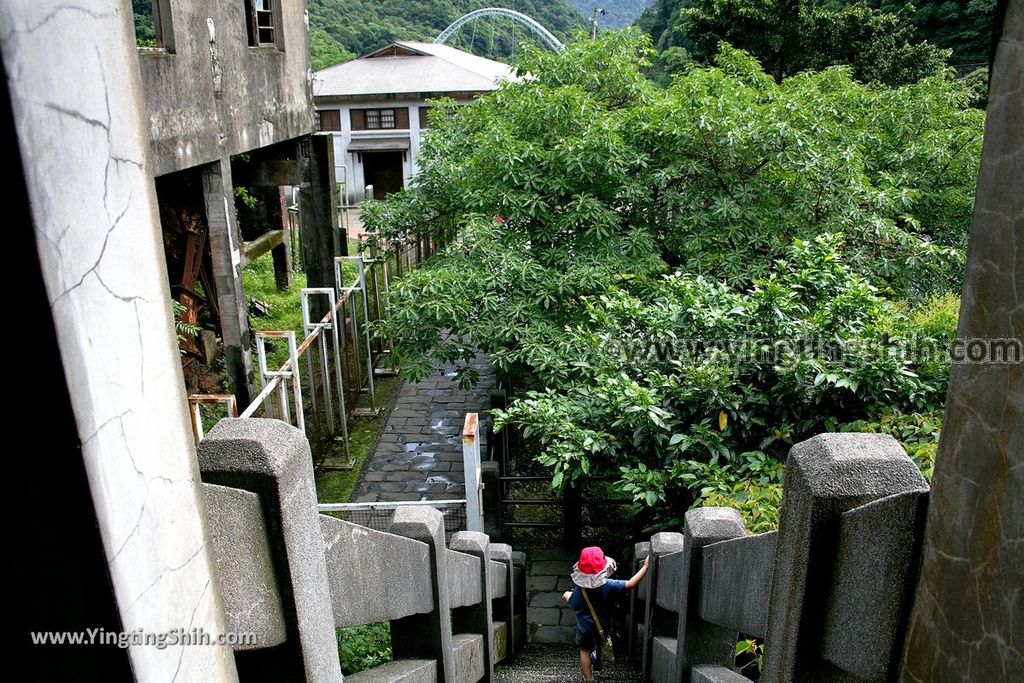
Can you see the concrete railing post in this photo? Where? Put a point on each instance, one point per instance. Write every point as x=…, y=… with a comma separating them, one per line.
x=426, y=636
x=637, y=610
x=656, y=621
x=823, y=555
x=504, y=609
x=698, y=642
x=477, y=618
x=272, y=459
x=471, y=469
x=519, y=599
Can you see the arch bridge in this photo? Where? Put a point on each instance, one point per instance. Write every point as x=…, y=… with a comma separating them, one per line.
x=532, y=24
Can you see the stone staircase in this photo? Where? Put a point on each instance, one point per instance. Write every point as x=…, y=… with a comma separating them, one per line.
x=558, y=664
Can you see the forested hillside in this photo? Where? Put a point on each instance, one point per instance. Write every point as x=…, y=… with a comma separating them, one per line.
x=886, y=41
x=618, y=13
x=963, y=26
x=359, y=26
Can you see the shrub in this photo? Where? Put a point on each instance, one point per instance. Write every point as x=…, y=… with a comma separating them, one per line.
x=364, y=647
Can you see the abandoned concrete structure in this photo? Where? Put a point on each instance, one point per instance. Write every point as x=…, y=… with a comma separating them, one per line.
x=129, y=530
x=375, y=108
x=227, y=102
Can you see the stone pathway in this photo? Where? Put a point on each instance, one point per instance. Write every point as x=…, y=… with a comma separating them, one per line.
x=558, y=664
x=419, y=454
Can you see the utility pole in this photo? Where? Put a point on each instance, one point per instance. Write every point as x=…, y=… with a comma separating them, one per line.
x=598, y=12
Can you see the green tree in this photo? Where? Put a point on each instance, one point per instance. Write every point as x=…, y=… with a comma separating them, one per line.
x=142, y=12
x=325, y=51
x=963, y=26
x=603, y=223
x=789, y=36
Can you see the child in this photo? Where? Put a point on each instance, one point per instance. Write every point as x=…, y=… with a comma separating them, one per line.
x=590, y=575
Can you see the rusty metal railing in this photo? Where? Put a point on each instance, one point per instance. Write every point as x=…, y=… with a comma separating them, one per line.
x=319, y=385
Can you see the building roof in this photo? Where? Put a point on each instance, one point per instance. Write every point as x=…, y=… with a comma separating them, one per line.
x=406, y=67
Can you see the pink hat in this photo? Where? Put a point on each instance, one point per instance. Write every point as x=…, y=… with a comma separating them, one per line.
x=592, y=560
x=593, y=568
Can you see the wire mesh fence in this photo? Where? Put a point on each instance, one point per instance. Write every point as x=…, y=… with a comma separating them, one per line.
x=379, y=515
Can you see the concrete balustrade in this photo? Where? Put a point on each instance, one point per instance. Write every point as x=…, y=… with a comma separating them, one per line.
x=291, y=576
x=828, y=595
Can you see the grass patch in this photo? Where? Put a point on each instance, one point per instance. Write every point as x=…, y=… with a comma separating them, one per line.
x=285, y=307
x=336, y=486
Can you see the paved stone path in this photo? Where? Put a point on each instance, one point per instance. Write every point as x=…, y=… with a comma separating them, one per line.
x=419, y=455
x=558, y=664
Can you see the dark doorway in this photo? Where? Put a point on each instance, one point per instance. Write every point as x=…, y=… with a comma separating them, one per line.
x=383, y=170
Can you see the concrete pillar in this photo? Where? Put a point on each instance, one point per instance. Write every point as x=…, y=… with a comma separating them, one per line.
x=826, y=476
x=74, y=86
x=504, y=610
x=637, y=610
x=318, y=210
x=698, y=642
x=282, y=254
x=477, y=618
x=426, y=636
x=519, y=599
x=226, y=254
x=658, y=622
x=272, y=459
x=966, y=623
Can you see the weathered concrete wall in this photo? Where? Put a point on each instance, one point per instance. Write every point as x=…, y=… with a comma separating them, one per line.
x=246, y=577
x=73, y=80
x=214, y=95
x=967, y=621
x=376, y=563
x=463, y=579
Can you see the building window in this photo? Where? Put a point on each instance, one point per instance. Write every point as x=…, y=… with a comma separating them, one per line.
x=329, y=120
x=153, y=24
x=424, y=120
x=261, y=23
x=380, y=119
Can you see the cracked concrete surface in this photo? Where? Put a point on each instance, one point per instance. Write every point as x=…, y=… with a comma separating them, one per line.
x=98, y=242
x=967, y=619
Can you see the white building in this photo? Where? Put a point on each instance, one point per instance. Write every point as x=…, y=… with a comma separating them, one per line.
x=376, y=107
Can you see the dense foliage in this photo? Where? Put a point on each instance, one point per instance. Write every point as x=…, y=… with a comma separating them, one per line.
x=963, y=26
x=686, y=281
x=884, y=44
x=142, y=16
x=338, y=27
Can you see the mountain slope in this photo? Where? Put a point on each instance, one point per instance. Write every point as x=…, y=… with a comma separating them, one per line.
x=618, y=13
x=360, y=26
